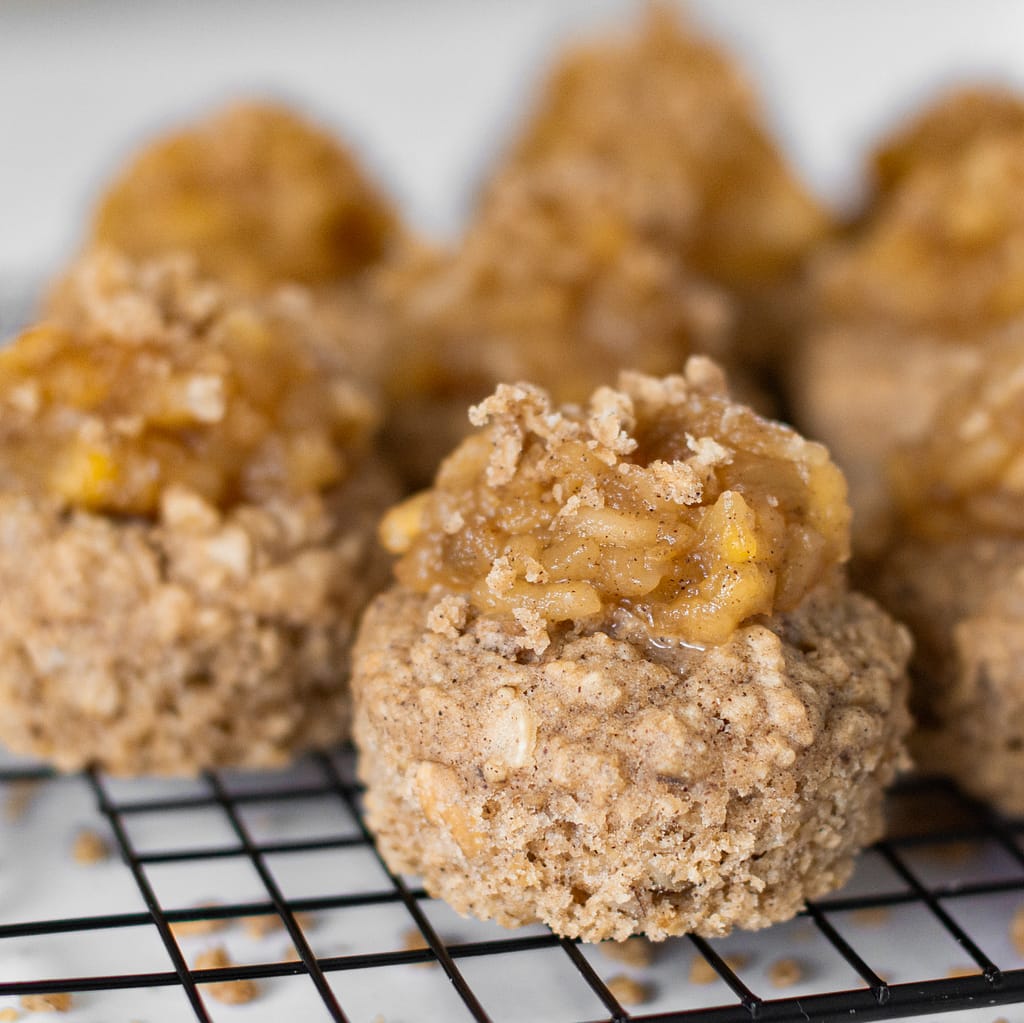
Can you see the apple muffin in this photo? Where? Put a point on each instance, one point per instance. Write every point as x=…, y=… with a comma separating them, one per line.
x=959, y=120
x=257, y=194
x=565, y=278
x=677, y=119
x=620, y=685
x=903, y=309
x=955, y=574
x=188, y=498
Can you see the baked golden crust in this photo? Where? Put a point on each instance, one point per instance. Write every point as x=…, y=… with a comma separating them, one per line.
x=256, y=193
x=611, y=786
x=200, y=639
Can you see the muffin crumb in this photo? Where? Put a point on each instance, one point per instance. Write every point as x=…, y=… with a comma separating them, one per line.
x=9, y=1015
x=89, y=848
x=871, y=916
x=962, y=971
x=1017, y=930
x=629, y=991
x=20, y=795
x=635, y=951
x=230, y=992
x=785, y=973
x=192, y=928
x=702, y=972
x=260, y=926
x=57, y=1001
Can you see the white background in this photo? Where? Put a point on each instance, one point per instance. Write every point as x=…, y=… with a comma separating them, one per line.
x=426, y=89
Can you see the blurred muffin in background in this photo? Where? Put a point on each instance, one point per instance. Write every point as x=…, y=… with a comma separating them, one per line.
x=955, y=574
x=259, y=195
x=901, y=309
x=565, y=276
x=674, y=116
x=188, y=498
x=956, y=122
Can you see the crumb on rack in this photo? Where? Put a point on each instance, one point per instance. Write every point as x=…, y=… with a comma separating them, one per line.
x=871, y=916
x=629, y=991
x=1017, y=930
x=57, y=1001
x=89, y=847
x=230, y=992
x=413, y=941
x=9, y=1015
x=191, y=928
x=785, y=973
x=260, y=926
x=19, y=798
x=702, y=972
x=635, y=951
x=962, y=971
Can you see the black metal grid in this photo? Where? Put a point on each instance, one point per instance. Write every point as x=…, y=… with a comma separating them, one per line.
x=960, y=821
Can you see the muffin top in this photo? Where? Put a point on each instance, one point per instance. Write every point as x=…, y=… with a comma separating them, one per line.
x=256, y=193
x=945, y=253
x=664, y=103
x=565, y=277
x=946, y=129
x=148, y=375
x=965, y=473
x=661, y=499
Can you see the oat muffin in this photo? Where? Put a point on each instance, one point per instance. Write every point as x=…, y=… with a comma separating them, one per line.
x=187, y=507
x=620, y=685
x=565, y=278
x=257, y=194
x=901, y=310
x=955, y=574
x=675, y=116
x=945, y=130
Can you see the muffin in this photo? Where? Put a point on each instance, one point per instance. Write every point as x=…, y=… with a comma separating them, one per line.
x=187, y=509
x=955, y=574
x=257, y=194
x=902, y=310
x=945, y=130
x=620, y=685
x=565, y=278
x=676, y=118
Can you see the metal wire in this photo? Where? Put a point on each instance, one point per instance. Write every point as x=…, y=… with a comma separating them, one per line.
x=877, y=1000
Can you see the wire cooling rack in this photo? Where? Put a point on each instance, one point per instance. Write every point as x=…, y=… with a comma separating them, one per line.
x=925, y=925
